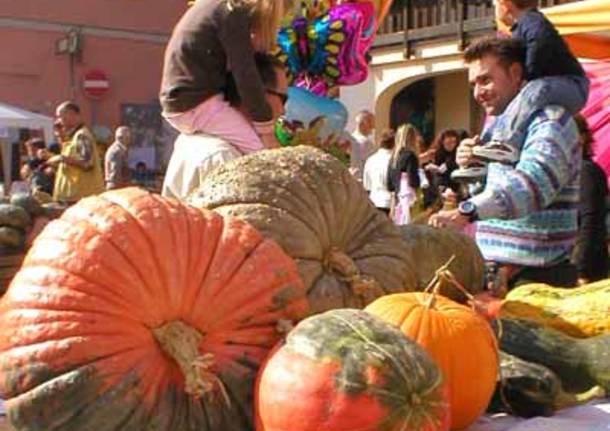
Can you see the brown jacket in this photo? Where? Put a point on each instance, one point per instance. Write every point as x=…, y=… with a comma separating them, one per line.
x=209, y=41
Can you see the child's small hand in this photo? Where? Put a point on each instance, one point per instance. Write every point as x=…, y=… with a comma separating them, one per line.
x=464, y=151
x=270, y=141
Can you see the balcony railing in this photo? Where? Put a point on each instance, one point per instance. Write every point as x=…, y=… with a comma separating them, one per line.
x=410, y=21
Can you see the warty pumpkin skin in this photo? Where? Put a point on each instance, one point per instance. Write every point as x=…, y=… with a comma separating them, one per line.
x=132, y=313
x=347, y=370
x=348, y=252
x=579, y=312
x=458, y=339
x=431, y=247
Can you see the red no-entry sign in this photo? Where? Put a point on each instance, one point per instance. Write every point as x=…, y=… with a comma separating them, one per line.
x=96, y=84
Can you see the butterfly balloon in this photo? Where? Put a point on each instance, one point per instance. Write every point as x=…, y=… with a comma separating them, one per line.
x=328, y=47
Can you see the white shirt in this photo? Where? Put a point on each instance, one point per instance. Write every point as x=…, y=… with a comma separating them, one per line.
x=362, y=147
x=194, y=156
x=375, y=178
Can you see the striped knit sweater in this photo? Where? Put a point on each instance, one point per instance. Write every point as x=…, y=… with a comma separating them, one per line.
x=528, y=211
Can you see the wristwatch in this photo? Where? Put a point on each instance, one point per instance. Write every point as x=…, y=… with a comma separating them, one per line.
x=468, y=210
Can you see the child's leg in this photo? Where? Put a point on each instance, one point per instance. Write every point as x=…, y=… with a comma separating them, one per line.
x=571, y=92
x=216, y=117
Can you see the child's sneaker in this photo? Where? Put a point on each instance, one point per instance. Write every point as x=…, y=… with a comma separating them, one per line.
x=470, y=174
x=495, y=151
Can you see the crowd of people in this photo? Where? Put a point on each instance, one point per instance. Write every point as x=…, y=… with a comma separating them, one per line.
x=406, y=177
x=75, y=166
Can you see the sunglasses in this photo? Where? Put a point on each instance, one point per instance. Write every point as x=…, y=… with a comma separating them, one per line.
x=283, y=96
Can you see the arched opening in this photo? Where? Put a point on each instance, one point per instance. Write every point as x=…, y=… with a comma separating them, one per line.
x=432, y=102
x=415, y=104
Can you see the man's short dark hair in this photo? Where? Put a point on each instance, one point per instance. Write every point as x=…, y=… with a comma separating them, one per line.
x=37, y=143
x=387, y=140
x=507, y=50
x=267, y=66
x=525, y=4
x=70, y=106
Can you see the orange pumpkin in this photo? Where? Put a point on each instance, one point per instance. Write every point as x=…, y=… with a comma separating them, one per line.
x=133, y=312
x=458, y=339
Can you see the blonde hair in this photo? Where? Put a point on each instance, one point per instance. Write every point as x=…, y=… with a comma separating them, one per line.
x=266, y=18
x=407, y=138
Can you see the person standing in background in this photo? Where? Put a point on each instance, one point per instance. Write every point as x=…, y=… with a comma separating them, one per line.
x=116, y=166
x=362, y=142
x=404, y=178
x=375, y=174
x=444, y=164
x=591, y=252
x=79, y=169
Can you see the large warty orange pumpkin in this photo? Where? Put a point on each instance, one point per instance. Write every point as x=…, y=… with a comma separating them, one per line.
x=132, y=312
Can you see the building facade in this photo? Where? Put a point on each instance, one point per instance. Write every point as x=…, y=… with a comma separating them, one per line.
x=49, y=46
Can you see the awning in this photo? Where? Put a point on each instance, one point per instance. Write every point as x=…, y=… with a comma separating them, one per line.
x=585, y=26
x=13, y=117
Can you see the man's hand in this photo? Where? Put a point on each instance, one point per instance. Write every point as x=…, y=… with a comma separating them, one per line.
x=55, y=160
x=43, y=154
x=427, y=156
x=464, y=151
x=451, y=219
x=431, y=167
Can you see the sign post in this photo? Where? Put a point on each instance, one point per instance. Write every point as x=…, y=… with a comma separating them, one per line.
x=95, y=86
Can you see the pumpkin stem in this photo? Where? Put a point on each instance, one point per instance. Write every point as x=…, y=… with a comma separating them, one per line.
x=432, y=299
x=362, y=285
x=284, y=326
x=181, y=342
x=434, y=286
x=445, y=274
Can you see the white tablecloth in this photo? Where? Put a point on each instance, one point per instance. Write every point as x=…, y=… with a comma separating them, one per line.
x=594, y=416
x=589, y=417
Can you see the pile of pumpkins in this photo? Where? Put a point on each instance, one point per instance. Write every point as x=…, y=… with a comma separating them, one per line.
x=22, y=217
x=279, y=299
x=555, y=348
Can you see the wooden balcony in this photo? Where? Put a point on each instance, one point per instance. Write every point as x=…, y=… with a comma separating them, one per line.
x=411, y=21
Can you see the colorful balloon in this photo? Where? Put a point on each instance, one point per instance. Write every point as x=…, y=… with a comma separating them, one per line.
x=306, y=107
x=316, y=8
x=313, y=120
x=329, y=49
x=382, y=7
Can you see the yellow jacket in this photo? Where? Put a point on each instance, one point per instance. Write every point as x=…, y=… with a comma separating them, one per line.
x=72, y=182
